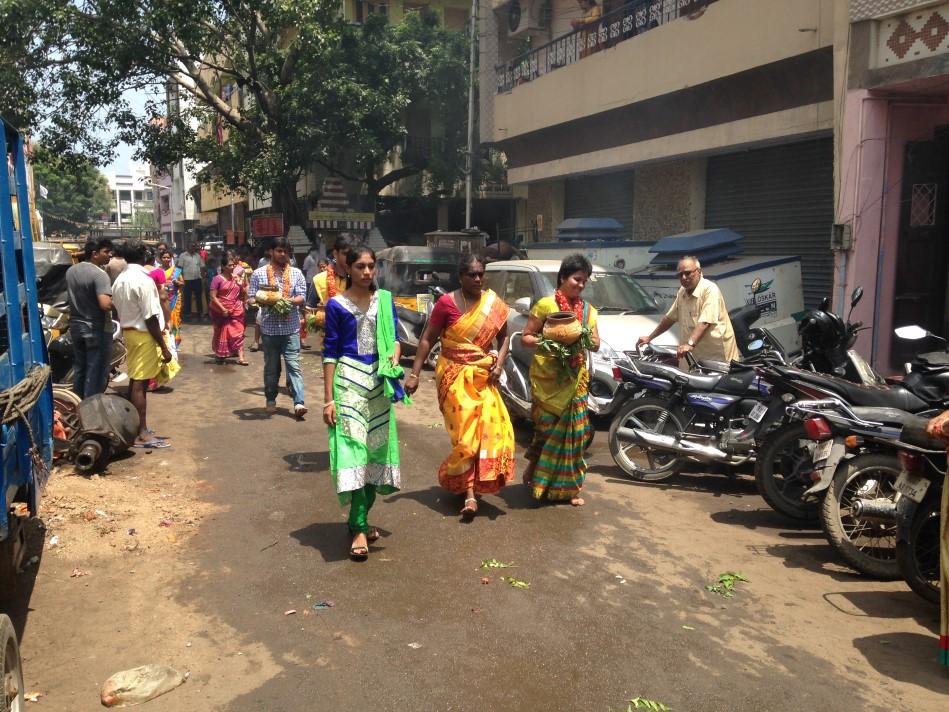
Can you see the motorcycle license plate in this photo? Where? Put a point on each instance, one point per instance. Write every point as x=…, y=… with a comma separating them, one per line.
x=757, y=413
x=823, y=450
x=912, y=486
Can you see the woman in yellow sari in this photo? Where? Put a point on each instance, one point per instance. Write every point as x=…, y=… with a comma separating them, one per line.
x=556, y=466
x=470, y=321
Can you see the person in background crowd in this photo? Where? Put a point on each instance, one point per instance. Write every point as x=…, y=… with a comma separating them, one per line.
x=280, y=326
x=360, y=372
x=228, y=294
x=213, y=264
x=332, y=280
x=262, y=262
x=706, y=329
x=173, y=284
x=311, y=261
x=117, y=264
x=556, y=466
x=192, y=269
x=140, y=313
x=469, y=321
x=90, y=318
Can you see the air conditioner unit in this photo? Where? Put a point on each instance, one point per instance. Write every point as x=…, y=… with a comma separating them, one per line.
x=527, y=17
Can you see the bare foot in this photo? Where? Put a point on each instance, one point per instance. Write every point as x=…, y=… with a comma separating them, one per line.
x=577, y=501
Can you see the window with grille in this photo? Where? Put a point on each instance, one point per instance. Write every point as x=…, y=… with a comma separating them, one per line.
x=922, y=209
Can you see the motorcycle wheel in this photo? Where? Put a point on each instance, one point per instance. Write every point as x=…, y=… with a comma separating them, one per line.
x=782, y=472
x=918, y=558
x=867, y=546
x=637, y=462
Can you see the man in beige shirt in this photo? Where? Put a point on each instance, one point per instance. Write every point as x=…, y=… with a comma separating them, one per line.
x=705, y=329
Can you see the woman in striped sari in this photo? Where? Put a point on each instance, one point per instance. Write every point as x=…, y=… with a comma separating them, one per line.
x=173, y=285
x=556, y=466
x=470, y=321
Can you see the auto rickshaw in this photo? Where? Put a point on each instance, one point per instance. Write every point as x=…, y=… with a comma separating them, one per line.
x=415, y=275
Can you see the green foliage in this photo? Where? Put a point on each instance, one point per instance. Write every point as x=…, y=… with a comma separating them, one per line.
x=77, y=192
x=641, y=703
x=495, y=564
x=313, y=89
x=516, y=583
x=564, y=353
x=726, y=584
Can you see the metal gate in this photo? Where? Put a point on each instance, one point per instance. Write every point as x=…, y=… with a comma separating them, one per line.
x=606, y=195
x=782, y=200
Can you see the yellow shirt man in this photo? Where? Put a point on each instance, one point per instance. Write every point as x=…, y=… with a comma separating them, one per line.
x=322, y=290
x=706, y=305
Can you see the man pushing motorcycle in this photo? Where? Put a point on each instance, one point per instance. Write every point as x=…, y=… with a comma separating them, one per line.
x=699, y=308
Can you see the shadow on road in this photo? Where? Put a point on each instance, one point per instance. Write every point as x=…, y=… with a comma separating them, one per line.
x=447, y=504
x=907, y=657
x=763, y=519
x=251, y=414
x=331, y=539
x=886, y=605
x=308, y=461
x=822, y=559
x=18, y=590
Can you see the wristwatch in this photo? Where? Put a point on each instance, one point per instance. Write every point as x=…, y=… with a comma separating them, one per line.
x=691, y=343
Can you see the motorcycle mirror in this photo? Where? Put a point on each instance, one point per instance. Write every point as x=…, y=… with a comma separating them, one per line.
x=856, y=297
x=756, y=345
x=911, y=333
x=824, y=304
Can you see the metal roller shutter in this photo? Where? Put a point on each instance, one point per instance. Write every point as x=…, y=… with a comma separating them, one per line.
x=607, y=195
x=782, y=200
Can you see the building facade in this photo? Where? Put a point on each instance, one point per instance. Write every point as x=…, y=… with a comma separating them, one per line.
x=894, y=170
x=132, y=198
x=669, y=116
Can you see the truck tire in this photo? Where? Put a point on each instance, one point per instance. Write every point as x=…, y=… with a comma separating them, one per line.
x=867, y=546
x=13, y=695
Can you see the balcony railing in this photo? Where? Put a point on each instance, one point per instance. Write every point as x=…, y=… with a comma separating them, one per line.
x=627, y=22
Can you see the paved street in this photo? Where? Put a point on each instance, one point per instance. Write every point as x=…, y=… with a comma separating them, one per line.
x=616, y=606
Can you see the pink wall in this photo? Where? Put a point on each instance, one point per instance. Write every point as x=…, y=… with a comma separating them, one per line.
x=874, y=134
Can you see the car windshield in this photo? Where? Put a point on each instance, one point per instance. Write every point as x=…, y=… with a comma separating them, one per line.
x=409, y=279
x=613, y=293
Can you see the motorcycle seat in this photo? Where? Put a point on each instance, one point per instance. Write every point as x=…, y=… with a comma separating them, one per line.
x=860, y=395
x=695, y=381
x=884, y=415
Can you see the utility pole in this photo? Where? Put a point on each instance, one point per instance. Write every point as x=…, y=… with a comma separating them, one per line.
x=469, y=156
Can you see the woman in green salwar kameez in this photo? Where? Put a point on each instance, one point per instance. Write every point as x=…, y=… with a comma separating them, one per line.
x=360, y=372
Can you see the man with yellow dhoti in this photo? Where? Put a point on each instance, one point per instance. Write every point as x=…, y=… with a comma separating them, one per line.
x=470, y=321
x=699, y=308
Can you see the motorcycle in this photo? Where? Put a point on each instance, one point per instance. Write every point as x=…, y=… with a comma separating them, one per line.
x=720, y=412
x=918, y=521
x=59, y=345
x=788, y=459
x=855, y=469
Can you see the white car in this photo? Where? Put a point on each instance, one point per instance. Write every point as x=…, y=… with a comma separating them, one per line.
x=625, y=312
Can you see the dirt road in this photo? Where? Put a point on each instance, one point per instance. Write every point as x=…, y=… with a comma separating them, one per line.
x=238, y=524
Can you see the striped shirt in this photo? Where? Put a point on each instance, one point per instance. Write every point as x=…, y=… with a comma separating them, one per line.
x=272, y=323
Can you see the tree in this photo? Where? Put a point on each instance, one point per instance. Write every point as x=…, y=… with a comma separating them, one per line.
x=76, y=194
x=313, y=89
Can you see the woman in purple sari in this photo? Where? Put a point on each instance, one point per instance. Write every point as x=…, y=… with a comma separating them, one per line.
x=228, y=293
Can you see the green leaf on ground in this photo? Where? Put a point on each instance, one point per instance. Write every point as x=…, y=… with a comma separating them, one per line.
x=641, y=703
x=495, y=564
x=726, y=584
x=516, y=583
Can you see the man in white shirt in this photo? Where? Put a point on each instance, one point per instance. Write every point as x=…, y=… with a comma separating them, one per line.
x=193, y=269
x=137, y=302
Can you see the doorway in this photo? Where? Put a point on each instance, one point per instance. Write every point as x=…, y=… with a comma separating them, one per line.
x=922, y=258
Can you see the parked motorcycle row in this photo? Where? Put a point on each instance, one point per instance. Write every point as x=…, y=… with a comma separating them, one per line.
x=829, y=439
